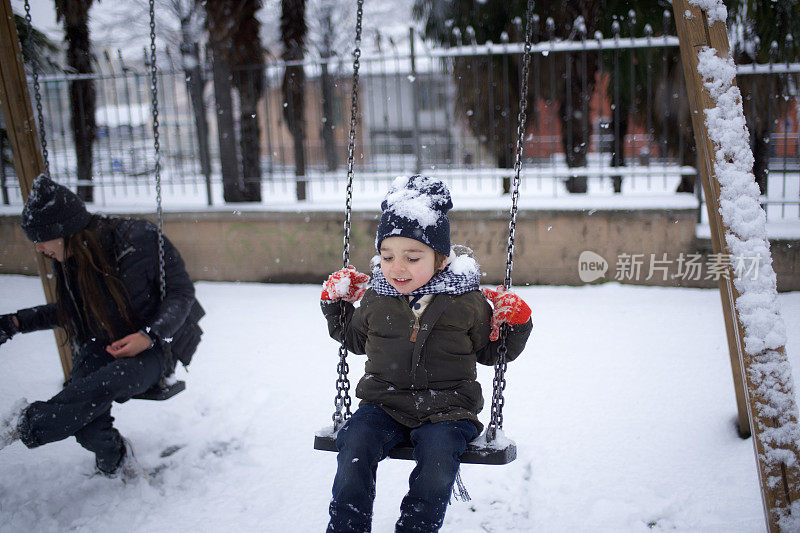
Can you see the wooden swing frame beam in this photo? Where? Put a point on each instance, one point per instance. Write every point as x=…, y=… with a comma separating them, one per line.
x=25, y=145
x=695, y=33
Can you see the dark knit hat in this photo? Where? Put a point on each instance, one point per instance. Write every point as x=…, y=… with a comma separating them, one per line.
x=416, y=208
x=52, y=211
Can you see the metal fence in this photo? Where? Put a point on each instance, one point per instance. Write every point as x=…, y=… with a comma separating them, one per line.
x=446, y=112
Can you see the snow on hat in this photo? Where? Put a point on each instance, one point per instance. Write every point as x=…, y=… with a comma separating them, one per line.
x=52, y=211
x=416, y=208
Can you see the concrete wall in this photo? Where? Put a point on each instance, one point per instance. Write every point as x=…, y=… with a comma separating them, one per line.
x=306, y=247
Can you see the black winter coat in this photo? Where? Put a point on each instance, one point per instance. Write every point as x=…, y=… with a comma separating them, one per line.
x=423, y=371
x=133, y=245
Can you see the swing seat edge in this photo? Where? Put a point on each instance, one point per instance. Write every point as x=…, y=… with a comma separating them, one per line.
x=161, y=391
x=325, y=440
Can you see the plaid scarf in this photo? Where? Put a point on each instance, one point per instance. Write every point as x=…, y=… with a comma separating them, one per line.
x=443, y=282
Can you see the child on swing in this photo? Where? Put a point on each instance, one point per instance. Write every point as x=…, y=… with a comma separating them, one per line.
x=423, y=325
x=124, y=337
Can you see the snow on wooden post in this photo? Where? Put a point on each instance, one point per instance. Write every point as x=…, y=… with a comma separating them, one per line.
x=24, y=140
x=694, y=33
x=756, y=332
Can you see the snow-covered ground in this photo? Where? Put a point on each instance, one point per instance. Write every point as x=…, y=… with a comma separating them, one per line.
x=622, y=407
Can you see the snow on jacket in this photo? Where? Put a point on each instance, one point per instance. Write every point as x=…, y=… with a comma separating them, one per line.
x=133, y=243
x=430, y=375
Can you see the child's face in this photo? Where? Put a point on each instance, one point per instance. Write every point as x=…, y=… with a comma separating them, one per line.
x=53, y=249
x=407, y=264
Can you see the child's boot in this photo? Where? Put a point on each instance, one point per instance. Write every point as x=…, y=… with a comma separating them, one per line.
x=130, y=468
x=127, y=468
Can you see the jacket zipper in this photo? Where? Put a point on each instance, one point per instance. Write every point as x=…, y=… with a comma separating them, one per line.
x=414, y=329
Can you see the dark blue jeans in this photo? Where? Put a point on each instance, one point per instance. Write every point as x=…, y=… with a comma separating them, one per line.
x=366, y=439
x=83, y=407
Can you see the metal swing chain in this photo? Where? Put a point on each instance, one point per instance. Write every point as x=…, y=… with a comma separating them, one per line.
x=342, y=402
x=499, y=382
x=34, y=58
x=156, y=146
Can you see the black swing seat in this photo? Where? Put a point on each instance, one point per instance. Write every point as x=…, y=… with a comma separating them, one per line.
x=162, y=391
x=483, y=454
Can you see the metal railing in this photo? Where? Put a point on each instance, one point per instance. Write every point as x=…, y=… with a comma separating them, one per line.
x=420, y=107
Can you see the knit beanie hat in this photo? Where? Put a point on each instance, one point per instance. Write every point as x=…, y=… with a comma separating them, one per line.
x=52, y=211
x=416, y=208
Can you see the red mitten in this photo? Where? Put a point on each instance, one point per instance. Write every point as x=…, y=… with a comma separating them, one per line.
x=508, y=309
x=347, y=284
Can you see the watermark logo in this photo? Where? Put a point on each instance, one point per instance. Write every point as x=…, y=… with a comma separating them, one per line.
x=686, y=267
x=591, y=266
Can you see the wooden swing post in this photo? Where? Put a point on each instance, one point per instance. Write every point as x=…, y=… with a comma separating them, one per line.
x=695, y=33
x=24, y=140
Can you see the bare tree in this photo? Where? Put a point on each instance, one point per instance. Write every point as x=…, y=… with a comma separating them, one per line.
x=233, y=31
x=330, y=30
x=328, y=25
x=127, y=24
x=191, y=18
x=74, y=15
x=248, y=77
x=179, y=24
x=293, y=34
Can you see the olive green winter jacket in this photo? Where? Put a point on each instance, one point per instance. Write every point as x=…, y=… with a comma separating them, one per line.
x=423, y=370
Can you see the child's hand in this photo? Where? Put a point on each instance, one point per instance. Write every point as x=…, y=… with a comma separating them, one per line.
x=8, y=327
x=129, y=346
x=347, y=284
x=508, y=309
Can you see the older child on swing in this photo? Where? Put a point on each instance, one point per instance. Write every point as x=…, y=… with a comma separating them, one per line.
x=423, y=325
x=125, y=339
